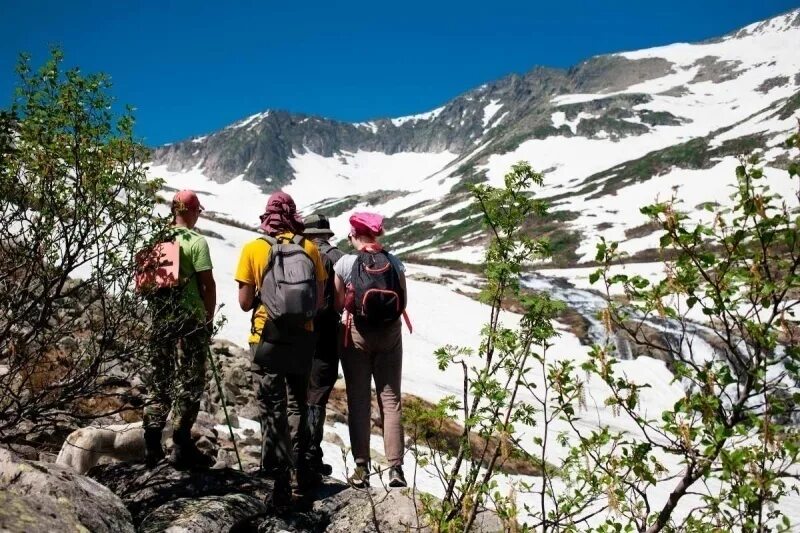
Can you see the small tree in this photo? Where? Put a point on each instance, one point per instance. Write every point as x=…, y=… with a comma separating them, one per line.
x=734, y=431
x=493, y=377
x=75, y=206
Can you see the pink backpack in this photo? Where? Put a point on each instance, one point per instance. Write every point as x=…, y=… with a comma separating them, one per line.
x=158, y=267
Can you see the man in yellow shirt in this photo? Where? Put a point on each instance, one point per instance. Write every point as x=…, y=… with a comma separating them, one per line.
x=281, y=358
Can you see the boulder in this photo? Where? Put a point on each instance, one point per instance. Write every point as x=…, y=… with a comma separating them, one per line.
x=144, y=490
x=39, y=496
x=207, y=514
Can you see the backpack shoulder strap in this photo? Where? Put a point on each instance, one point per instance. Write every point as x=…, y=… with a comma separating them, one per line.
x=298, y=240
x=272, y=241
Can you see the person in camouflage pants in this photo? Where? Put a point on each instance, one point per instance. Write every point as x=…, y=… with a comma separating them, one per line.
x=182, y=318
x=176, y=377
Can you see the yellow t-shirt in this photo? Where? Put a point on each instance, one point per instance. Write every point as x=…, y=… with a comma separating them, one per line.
x=250, y=270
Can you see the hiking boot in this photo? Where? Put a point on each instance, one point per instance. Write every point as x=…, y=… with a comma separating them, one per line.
x=308, y=478
x=360, y=477
x=186, y=456
x=153, y=452
x=280, y=501
x=396, y=477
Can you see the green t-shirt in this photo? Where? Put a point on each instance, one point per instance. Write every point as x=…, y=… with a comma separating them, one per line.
x=195, y=257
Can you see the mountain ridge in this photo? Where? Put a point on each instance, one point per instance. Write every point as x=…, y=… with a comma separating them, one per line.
x=610, y=130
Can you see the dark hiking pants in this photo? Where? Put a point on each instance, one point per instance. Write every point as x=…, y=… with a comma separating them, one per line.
x=281, y=400
x=324, y=373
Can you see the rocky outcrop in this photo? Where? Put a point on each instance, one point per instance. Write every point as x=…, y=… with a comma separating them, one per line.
x=36, y=496
x=164, y=499
x=144, y=491
x=206, y=514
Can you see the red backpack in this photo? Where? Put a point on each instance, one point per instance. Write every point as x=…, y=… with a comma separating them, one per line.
x=158, y=268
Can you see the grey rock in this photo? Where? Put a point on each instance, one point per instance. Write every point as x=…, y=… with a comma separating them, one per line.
x=395, y=511
x=35, y=514
x=715, y=70
x=205, y=445
x=206, y=514
x=226, y=499
x=76, y=502
x=68, y=344
x=232, y=417
x=771, y=83
x=238, y=376
x=144, y=491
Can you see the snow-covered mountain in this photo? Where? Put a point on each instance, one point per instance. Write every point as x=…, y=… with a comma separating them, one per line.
x=610, y=134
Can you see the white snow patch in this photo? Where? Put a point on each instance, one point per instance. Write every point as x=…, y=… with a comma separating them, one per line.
x=251, y=121
x=430, y=115
x=490, y=110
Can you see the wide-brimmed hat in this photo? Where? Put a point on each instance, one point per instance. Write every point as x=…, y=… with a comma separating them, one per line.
x=317, y=224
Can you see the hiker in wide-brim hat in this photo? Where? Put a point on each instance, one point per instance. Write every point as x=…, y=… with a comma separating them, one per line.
x=317, y=225
x=325, y=364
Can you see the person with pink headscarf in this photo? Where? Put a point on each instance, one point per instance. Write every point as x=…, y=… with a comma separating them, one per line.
x=371, y=289
x=281, y=360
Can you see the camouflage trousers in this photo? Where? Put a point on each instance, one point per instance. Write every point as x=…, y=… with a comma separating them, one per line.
x=176, y=375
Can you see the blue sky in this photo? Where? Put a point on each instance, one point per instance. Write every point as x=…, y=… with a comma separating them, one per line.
x=191, y=67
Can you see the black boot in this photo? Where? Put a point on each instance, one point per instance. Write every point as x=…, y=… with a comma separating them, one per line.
x=186, y=456
x=280, y=500
x=153, y=451
x=316, y=428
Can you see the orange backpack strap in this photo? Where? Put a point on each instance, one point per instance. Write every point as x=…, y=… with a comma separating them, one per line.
x=348, y=325
x=408, y=322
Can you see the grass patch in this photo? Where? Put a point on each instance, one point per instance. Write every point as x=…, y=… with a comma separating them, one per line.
x=553, y=226
x=342, y=205
x=642, y=230
x=790, y=107
x=441, y=433
x=693, y=154
x=451, y=264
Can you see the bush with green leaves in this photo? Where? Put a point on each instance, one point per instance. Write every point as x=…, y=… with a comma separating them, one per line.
x=75, y=207
x=721, y=458
x=495, y=374
x=733, y=433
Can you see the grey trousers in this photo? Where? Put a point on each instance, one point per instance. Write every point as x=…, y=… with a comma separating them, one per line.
x=281, y=400
x=375, y=354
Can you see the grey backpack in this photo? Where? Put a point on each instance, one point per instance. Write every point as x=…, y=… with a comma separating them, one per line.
x=289, y=285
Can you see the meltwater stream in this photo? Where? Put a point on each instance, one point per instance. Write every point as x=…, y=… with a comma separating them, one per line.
x=691, y=340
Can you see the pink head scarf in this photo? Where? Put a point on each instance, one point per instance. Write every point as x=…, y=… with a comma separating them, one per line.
x=369, y=224
x=281, y=215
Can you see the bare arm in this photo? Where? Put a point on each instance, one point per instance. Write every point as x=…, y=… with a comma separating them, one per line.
x=338, y=301
x=208, y=292
x=247, y=296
